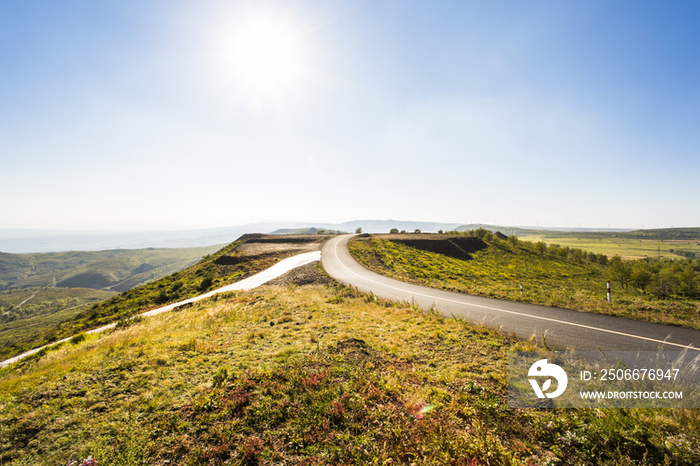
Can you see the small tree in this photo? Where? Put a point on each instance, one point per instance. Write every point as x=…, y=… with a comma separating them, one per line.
x=664, y=283
x=642, y=274
x=620, y=271
x=358, y=230
x=394, y=231
x=416, y=231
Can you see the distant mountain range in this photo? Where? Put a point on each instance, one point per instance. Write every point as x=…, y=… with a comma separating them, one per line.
x=31, y=241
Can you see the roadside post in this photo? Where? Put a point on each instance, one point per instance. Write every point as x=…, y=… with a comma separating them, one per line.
x=609, y=296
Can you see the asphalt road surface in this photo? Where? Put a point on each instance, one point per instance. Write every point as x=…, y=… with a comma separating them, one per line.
x=563, y=329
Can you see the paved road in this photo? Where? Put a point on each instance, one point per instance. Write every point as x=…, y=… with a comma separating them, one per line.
x=563, y=329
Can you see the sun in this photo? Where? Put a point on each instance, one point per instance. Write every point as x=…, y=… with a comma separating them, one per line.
x=263, y=59
x=264, y=55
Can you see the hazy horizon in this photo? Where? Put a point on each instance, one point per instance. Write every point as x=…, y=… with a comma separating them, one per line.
x=15, y=241
x=168, y=116
x=311, y=224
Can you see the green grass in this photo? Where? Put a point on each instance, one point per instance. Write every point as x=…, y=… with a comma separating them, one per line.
x=547, y=278
x=274, y=376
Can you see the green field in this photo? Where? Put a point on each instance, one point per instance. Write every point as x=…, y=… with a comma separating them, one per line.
x=550, y=275
x=307, y=375
x=614, y=244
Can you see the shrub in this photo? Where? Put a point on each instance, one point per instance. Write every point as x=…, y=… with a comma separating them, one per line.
x=206, y=283
x=78, y=338
x=162, y=297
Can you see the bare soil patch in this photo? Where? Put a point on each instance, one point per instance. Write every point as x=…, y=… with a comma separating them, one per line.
x=264, y=247
x=297, y=244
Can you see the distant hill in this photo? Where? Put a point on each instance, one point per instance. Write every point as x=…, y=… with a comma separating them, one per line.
x=306, y=231
x=115, y=270
x=371, y=226
x=384, y=226
x=666, y=234
x=522, y=231
x=508, y=231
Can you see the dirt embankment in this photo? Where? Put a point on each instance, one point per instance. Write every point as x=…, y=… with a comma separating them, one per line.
x=459, y=247
x=265, y=247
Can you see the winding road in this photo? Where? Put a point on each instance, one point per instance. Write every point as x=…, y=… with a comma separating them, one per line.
x=562, y=329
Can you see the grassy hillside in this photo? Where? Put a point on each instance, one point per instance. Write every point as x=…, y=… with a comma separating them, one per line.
x=307, y=375
x=36, y=301
x=229, y=264
x=18, y=305
x=118, y=270
x=550, y=275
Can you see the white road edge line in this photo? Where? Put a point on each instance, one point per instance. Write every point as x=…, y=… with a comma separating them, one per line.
x=335, y=251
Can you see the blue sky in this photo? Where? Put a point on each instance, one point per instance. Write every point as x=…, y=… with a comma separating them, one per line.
x=143, y=115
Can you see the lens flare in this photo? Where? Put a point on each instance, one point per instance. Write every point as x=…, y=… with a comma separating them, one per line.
x=420, y=410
